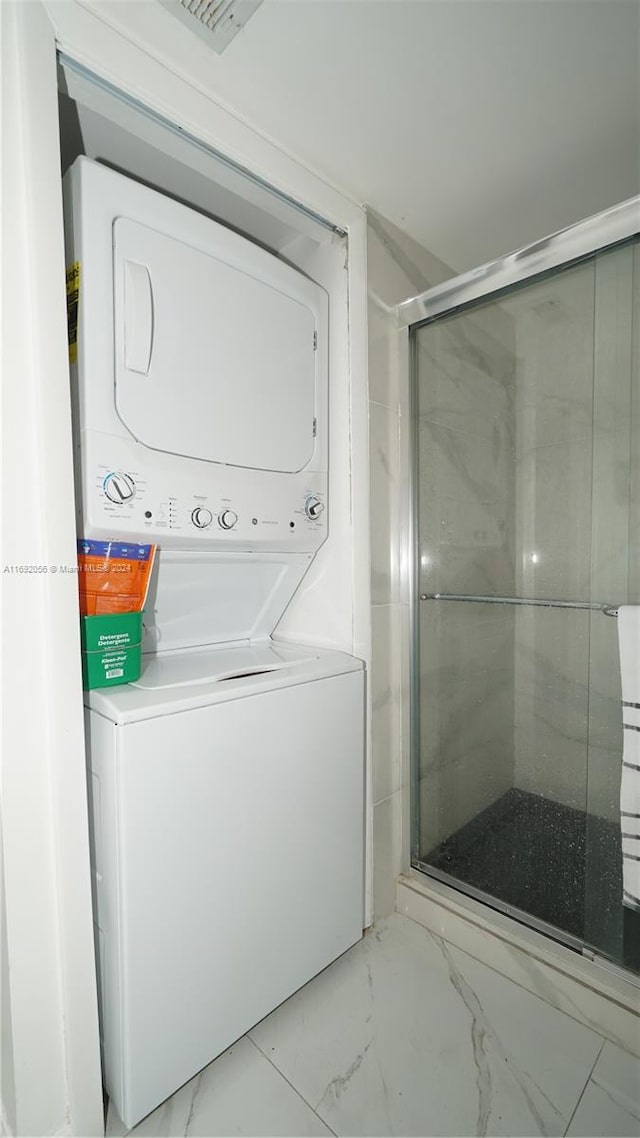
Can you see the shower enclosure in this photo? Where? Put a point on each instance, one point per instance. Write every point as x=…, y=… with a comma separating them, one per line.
x=526, y=503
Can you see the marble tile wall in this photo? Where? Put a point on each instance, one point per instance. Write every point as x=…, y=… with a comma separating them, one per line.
x=574, y=447
x=553, y=438
x=466, y=715
x=615, y=544
x=398, y=267
x=466, y=508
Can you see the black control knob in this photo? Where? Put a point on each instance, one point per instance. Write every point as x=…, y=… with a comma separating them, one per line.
x=201, y=517
x=119, y=487
x=227, y=519
x=313, y=507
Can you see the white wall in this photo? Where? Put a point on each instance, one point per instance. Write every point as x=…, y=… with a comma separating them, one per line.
x=8, y=1093
x=476, y=126
x=49, y=967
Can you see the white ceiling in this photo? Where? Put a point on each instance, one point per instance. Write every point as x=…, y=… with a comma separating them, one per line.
x=476, y=126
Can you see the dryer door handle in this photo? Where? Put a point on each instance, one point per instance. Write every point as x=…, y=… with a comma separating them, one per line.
x=138, y=317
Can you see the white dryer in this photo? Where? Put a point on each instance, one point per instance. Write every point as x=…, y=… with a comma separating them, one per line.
x=226, y=784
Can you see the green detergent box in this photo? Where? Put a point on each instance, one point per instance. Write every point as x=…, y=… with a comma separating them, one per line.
x=111, y=649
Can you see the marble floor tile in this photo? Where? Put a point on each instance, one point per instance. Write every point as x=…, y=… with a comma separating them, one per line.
x=405, y=1035
x=610, y=1105
x=239, y=1093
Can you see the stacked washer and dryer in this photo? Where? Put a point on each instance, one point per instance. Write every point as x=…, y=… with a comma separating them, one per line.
x=226, y=784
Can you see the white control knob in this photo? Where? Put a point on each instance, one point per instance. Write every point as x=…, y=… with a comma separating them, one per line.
x=313, y=507
x=201, y=517
x=227, y=519
x=119, y=487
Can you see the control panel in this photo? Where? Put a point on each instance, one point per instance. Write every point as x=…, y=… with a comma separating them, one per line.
x=183, y=504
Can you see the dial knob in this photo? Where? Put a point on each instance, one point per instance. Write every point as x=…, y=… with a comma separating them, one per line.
x=201, y=517
x=313, y=507
x=119, y=487
x=227, y=519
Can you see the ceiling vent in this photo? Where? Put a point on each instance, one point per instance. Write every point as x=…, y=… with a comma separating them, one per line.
x=215, y=21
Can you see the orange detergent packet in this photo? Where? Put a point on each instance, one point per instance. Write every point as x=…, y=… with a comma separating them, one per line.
x=113, y=576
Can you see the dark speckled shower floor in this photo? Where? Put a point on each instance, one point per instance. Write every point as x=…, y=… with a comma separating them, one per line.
x=560, y=865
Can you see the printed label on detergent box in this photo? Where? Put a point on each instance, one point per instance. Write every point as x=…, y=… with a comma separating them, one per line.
x=111, y=632
x=102, y=669
x=112, y=659
x=114, y=639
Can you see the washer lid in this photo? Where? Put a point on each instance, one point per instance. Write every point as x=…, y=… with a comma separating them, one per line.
x=202, y=677
x=210, y=361
x=216, y=665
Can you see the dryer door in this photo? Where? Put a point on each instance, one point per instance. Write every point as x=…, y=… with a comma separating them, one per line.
x=210, y=362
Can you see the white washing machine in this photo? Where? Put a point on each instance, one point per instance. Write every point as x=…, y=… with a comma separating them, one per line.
x=226, y=785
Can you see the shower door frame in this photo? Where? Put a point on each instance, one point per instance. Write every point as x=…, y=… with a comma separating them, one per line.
x=563, y=249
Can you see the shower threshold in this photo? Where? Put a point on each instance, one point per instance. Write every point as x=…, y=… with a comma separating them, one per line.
x=552, y=867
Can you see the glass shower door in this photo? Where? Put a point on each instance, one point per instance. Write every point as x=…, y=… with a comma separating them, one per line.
x=518, y=413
